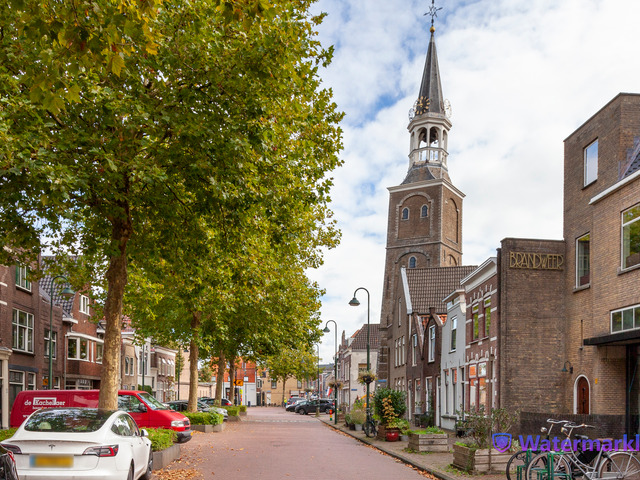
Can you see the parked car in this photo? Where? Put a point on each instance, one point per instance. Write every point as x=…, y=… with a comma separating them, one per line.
x=181, y=406
x=292, y=400
x=212, y=401
x=311, y=406
x=8, y=469
x=293, y=405
x=143, y=407
x=81, y=443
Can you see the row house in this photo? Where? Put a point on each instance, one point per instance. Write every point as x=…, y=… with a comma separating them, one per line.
x=245, y=376
x=352, y=360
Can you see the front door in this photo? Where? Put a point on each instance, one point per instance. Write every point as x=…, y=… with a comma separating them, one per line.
x=583, y=396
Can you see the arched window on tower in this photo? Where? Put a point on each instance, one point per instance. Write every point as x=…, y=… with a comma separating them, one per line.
x=424, y=211
x=412, y=262
x=405, y=214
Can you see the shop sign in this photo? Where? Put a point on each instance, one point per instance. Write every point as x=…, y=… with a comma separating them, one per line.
x=536, y=261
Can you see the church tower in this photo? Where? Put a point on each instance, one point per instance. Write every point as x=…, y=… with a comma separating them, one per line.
x=425, y=211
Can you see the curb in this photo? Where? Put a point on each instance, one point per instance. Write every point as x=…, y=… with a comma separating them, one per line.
x=408, y=461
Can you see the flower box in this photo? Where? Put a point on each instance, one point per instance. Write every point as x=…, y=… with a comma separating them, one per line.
x=429, y=442
x=485, y=460
x=208, y=428
x=164, y=457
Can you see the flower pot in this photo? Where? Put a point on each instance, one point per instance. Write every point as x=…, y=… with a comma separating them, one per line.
x=479, y=461
x=352, y=426
x=358, y=427
x=392, y=435
x=429, y=442
x=404, y=438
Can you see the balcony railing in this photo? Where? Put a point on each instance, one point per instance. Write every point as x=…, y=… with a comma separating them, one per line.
x=429, y=155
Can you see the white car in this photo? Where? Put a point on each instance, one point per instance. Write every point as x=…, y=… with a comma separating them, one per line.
x=81, y=443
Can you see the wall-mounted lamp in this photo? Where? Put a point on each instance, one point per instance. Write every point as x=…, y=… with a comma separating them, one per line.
x=564, y=367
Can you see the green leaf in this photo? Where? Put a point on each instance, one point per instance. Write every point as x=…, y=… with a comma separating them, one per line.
x=117, y=63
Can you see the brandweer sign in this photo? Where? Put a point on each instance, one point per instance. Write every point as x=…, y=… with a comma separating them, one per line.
x=536, y=261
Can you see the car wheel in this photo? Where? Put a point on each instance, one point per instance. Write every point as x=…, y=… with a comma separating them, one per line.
x=147, y=475
x=130, y=476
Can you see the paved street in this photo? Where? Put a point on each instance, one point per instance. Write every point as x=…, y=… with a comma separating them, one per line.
x=272, y=444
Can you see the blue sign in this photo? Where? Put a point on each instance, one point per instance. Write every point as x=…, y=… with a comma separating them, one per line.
x=354, y=389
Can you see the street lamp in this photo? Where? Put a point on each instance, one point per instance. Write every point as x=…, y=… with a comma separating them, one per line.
x=335, y=367
x=65, y=293
x=354, y=303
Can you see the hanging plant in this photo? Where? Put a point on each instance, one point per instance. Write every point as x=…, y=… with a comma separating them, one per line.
x=337, y=385
x=366, y=377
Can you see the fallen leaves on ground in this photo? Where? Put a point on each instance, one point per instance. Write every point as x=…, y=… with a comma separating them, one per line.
x=178, y=474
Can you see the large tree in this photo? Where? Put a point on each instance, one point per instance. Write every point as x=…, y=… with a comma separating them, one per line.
x=291, y=363
x=118, y=119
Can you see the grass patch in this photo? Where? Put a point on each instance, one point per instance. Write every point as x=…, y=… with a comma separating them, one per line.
x=161, y=438
x=456, y=471
x=411, y=450
x=4, y=434
x=429, y=431
x=204, y=418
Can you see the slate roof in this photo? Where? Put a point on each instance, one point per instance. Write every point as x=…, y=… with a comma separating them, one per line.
x=634, y=167
x=430, y=87
x=418, y=173
x=428, y=286
x=45, y=288
x=360, y=337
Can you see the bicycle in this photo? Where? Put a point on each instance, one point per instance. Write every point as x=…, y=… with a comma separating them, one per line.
x=370, y=426
x=587, y=464
x=523, y=457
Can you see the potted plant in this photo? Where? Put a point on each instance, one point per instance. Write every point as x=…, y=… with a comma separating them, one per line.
x=392, y=433
x=358, y=417
x=405, y=429
x=476, y=454
x=430, y=439
x=389, y=405
x=366, y=377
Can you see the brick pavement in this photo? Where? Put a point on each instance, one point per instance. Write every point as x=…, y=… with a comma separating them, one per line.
x=273, y=444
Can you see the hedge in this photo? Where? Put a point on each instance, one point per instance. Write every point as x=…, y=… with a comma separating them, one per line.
x=243, y=408
x=203, y=418
x=233, y=411
x=161, y=438
x=4, y=434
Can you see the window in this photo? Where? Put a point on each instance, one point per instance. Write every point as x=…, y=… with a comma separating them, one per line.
x=487, y=317
x=412, y=262
x=415, y=350
x=454, y=329
x=22, y=331
x=631, y=237
x=395, y=349
x=404, y=351
x=46, y=343
x=31, y=381
x=299, y=384
x=399, y=312
x=424, y=211
x=582, y=260
x=591, y=163
x=483, y=391
x=475, y=326
x=454, y=384
x=99, y=352
x=274, y=384
x=16, y=385
x=625, y=319
x=446, y=392
x=84, y=304
x=72, y=348
x=428, y=394
x=405, y=214
x=21, y=277
x=472, y=394
x=432, y=343
x=84, y=349
x=362, y=368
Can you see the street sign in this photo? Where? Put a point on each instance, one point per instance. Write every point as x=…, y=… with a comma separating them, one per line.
x=238, y=383
x=45, y=382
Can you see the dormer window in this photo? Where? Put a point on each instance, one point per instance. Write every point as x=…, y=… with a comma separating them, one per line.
x=405, y=214
x=424, y=211
x=412, y=262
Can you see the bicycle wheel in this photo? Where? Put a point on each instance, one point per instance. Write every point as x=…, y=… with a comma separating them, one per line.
x=369, y=428
x=516, y=460
x=620, y=465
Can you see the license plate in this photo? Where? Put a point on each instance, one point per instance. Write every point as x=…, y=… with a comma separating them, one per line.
x=52, y=461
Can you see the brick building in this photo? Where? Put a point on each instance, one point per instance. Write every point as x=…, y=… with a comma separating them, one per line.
x=424, y=227
x=352, y=360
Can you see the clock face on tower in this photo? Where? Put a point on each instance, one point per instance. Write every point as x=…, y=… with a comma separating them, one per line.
x=412, y=113
x=447, y=108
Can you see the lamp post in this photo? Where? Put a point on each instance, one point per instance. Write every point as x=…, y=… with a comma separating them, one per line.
x=335, y=369
x=354, y=303
x=65, y=293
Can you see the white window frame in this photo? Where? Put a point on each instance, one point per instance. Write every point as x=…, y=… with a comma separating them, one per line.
x=635, y=318
x=84, y=304
x=432, y=343
x=16, y=327
x=586, y=169
x=54, y=343
x=21, y=277
x=399, y=312
x=404, y=351
x=414, y=343
x=454, y=335
x=588, y=234
x=622, y=263
x=100, y=356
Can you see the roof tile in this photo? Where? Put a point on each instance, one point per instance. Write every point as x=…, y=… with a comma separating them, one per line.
x=428, y=286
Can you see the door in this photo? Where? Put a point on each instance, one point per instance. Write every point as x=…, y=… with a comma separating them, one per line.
x=583, y=396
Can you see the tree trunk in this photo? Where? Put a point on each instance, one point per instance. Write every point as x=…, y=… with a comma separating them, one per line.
x=232, y=373
x=220, y=377
x=192, y=406
x=284, y=384
x=116, y=282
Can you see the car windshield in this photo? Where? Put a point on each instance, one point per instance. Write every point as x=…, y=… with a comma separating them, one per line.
x=67, y=420
x=152, y=402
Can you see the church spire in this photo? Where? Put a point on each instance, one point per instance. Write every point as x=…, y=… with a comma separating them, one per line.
x=430, y=98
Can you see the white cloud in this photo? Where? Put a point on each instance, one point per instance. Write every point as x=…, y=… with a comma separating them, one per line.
x=521, y=75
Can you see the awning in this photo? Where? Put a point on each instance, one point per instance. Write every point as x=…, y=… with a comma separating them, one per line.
x=628, y=337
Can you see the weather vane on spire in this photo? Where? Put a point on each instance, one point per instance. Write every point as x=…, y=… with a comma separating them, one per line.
x=433, y=11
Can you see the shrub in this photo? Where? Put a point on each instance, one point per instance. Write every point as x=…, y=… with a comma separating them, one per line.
x=161, y=438
x=404, y=426
x=394, y=399
x=358, y=417
x=204, y=418
x=233, y=411
x=243, y=408
x=482, y=425
x=347, y=418
x=4, y=434
x=430, y=431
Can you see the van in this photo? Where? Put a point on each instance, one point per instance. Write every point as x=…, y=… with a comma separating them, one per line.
x=143, y=407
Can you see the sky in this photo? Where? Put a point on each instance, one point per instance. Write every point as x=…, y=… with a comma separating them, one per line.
x=521, y=76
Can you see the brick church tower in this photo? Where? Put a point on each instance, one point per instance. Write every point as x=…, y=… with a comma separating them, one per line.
x=425, y=211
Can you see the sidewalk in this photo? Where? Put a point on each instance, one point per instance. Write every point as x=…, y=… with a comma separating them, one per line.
x=437, y=464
